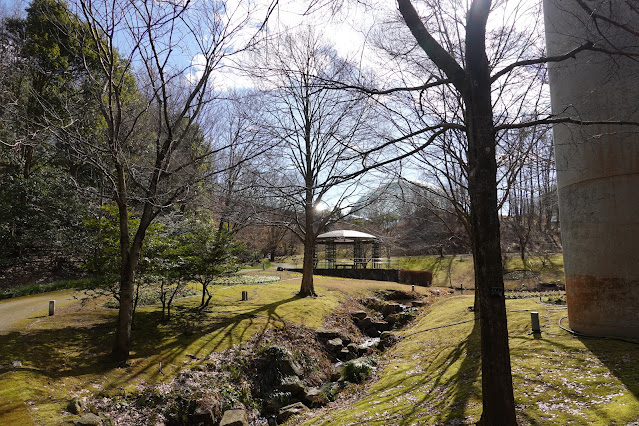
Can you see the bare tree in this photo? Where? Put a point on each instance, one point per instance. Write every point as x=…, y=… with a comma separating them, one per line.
x=152, y=148
x=489, y=73
x=236, y=195
x=317, y=132
x=451, y=56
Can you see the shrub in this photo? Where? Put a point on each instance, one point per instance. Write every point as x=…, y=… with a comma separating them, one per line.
x=358, y=370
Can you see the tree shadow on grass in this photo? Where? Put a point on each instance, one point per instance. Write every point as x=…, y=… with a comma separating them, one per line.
x=620, y=356
x=211, y=332
x=82, y=352
x=456, y=390
x=557, y=361
x=442, y=389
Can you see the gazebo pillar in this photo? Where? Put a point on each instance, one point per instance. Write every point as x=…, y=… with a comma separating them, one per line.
x=330, y=254
x=358, y=254
x=377, y=254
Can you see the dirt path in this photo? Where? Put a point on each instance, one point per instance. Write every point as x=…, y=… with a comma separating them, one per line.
x=15, y=311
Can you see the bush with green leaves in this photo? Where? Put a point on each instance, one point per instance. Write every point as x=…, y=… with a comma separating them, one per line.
x=30, y=289
x=149, y=295
x=358, y=370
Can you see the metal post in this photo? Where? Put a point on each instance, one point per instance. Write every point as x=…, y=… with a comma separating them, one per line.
x=51, y=307
x=534, y=320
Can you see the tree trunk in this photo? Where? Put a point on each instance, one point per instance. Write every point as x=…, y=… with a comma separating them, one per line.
x=129, y=255
x=497, y=388
x=122, y=343
x=307, y=288
x=474, y=85
x=27, y=151
x=204, y=287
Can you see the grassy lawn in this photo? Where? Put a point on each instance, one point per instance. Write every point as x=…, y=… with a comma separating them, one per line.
x=67, y=355
x=433, y=375
x=457, y=270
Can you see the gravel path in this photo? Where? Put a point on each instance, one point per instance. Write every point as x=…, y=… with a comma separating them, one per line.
x=15, y=311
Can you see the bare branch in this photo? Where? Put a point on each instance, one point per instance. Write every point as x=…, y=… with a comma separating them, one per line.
x=543, y=60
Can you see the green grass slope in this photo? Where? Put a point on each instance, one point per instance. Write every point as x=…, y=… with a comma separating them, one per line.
x=433, y=375
x=67, y=355
x=457, y=270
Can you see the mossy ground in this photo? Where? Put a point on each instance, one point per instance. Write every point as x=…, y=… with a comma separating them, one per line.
x=433, y=375
x=67, y=354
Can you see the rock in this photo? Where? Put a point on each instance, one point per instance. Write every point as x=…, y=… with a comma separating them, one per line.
x=381, y=326
x=387, y=339
x=391, y=308
x=75, y=406
x=387, y=335
x=364, y=323
x=372, y=332
x=358, y=315
x=290, y=410
x=417, y=303
x=203, y=415
x=16, y=364
x=290, y=366
x=334, y=345
x=373, y=302
x=330, y=391
x=337, y=372
x=234, y=418
x=325, y=334
x=276, y=400
x=89, y=419
x=391, y=319
x=292, y=384
x=345, y=354
x=367, y=347
x=313, y=395
x=345, y=340
x=281, y=359
x=353, y=347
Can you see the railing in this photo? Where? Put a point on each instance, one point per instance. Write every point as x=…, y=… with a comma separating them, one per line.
x=357, y=263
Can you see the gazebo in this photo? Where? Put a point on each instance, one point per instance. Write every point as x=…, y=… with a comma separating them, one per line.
x=359, y=240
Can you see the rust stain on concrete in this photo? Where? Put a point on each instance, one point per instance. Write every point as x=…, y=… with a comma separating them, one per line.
x=603, y=306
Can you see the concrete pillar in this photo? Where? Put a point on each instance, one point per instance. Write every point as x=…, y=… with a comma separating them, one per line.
x=597, y=166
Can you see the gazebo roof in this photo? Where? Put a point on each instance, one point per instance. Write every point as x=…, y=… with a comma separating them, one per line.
x=346, y=236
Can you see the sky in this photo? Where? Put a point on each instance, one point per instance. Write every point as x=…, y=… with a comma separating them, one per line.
x=350, y=28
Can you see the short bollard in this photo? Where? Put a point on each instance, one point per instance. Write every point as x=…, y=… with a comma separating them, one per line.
x=534, y=320
x=413, y=287
x=51, y=307
x=244, y=295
